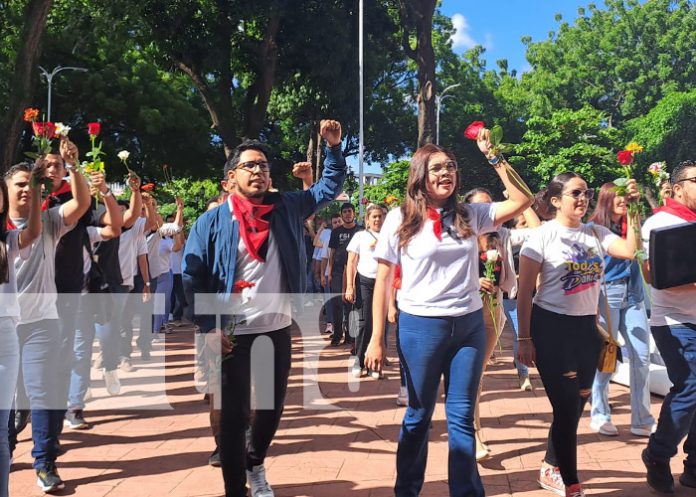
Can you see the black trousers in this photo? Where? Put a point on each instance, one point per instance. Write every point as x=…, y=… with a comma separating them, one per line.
x=567, y=351
x=178, y=298
x=367, y=290
x=270, y=363
x=341, y=309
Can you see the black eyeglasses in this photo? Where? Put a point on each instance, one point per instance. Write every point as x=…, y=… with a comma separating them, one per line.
x=252, y=164
x=576, y=194
x=450, y=166
x=692, y=179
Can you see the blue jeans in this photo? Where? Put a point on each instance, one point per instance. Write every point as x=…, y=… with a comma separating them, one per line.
x=677, y=345
x=82, y=350
x=430, y=347
x=9, y=365
x=632, y=322
x=109, y=333
x=39, y=345
x=165, y=283
x=510, y=306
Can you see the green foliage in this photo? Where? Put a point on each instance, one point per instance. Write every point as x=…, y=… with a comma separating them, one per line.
x=568, y=140
x=667, y=131
x=393, y=182
x=194, y=193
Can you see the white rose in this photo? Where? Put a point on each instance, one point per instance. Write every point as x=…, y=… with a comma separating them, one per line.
x=62, y=129
x=492, y=255
x=123, y=155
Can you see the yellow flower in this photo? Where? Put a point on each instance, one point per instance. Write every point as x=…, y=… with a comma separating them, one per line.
x=634, y=147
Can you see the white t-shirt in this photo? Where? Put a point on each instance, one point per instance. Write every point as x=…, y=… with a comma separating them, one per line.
x=165, y=250
x=95, y=236
x=266, y=306
x=669, y=306
x=438, y=278
x=9, y=304
x=127, y=250
x=36, y=274
x=175, y=260
x=571, y=266
x=364, y=243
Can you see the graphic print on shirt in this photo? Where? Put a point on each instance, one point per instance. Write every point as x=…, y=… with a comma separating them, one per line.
x=583, y=269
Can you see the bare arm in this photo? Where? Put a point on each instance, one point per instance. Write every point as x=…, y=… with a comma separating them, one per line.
x=178, y=242
x=145, y=273
x=531, y=217
x=351, y=272
x=179, y=217
x=136, y=203
x=374, y=356
x=33, y=228
x=529, y=271
x=112, y=219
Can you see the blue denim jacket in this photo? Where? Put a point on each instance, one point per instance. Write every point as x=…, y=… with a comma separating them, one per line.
x=210, y=256
x=618, y=269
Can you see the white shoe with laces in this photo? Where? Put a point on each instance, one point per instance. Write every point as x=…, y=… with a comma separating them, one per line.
x=113, y=385
x=256, y=478
x=606, y=428
x=357, y=370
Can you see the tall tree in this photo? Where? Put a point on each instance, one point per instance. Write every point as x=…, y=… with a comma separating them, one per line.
x=417, y=25
x=20, y=89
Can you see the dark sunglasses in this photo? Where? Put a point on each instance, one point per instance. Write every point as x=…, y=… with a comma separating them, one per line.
x=576, y=194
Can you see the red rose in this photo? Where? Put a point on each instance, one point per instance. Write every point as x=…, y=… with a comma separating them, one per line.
x=364, y=201
x=46, y=130
x=31, y=114
x=484, y=256
x=625, y=157
x=148, y=187
x=473, y=129
x=94, y=129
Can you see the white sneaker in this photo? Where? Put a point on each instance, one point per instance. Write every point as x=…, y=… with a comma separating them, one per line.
x=256, y=478
x=357, y=370
x=644, y=431
x=402, y=398
x=113, y=385
x=329, y=329
x=606, y=428
x=377, y=375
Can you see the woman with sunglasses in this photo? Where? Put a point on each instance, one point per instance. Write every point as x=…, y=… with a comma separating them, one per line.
x=557, y=328
x=625, y=298
x=441, y=332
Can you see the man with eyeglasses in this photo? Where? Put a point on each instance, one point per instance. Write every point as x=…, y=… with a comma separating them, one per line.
x=673, y=326
x=253, y=244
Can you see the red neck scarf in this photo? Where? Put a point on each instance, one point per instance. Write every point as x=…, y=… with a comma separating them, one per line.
x=252, y=225
x=676, y=209
x=64, y=188
x=10, y=224
x=435, y=217
x=396, y=284
x=624, y=227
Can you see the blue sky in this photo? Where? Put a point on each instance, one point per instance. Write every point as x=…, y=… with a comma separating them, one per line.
x=500, y=25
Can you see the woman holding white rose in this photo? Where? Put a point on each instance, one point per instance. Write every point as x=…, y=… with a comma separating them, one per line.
x=441, y=330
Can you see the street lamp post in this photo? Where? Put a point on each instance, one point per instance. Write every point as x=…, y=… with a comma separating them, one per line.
x=438, y=101
x=49, y=79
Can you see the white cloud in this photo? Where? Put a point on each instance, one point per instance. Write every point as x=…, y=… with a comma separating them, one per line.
x=461, y=38
x=488, y=44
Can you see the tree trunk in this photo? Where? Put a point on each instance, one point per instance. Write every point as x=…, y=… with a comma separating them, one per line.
x=259, y=93
x=418, y=16
x=21, y=88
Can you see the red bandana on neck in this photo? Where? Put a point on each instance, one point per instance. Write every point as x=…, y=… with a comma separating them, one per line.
x=676, y=209
x=64, y=188
x=252, y=226
x=10, y=224
x=624, y=226
x=435, y=217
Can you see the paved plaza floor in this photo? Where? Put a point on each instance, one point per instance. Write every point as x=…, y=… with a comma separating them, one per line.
x=338, y=436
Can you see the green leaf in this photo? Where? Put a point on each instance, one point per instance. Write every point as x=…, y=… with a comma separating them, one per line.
x=621, y=182
x=496, y=135
x=32, y=155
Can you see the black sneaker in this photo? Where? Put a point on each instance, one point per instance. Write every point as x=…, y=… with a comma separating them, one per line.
x=48, y=480
x=659, y=475
x=75, y=420
x=335, y=343
x=22, y=418
x=214, y=459
x=688, y=477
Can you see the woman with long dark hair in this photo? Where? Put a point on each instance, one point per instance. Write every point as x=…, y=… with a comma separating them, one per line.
x=13, y=243
x=433, y=237
x=625, y=297
x=558, y=332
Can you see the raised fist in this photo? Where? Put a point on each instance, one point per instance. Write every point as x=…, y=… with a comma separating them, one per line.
x=330, y=131
x=302, y=170
x=96, y=179
x=134, y=183
x=68, y=151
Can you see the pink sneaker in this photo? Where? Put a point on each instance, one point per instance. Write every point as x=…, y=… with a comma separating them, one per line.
x=550, y=479
x=574, y=490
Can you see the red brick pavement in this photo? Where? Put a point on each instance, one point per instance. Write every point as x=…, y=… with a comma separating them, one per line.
x=344, y=447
